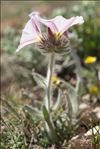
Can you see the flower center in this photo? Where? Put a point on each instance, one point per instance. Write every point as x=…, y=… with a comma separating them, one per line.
x=57, y=35
x=56, y=42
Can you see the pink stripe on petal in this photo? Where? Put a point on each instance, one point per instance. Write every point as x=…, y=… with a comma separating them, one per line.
x=53, y=27
x=36, y=24
x=35, y=21
x=61, y=24
x=30, y=32
x=50, y=24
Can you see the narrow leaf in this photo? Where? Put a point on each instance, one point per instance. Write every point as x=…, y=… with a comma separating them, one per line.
x=40, y=80
x=73, y=97
x=59, y=100
x=32, y=111
x=46, y=114
x=49, y=125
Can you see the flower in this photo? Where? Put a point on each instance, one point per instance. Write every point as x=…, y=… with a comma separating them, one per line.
x=52, y=43
x=32, y=32
x=57, y=30
x=59, y=24
x=94, y=89
x=55, y=40
x=90, y=60
x=56, y=80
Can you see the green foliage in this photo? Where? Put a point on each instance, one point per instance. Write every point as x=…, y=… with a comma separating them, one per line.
x=32, y=123
x=10, y=40
x=12, y=137
x=95, y=136
x=88, y=33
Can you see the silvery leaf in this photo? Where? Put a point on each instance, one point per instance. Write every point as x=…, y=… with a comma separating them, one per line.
x=32, y=111
x=59, y=100
x=41, y=81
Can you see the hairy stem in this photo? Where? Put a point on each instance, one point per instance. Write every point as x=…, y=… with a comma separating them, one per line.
x=46, y=109
x=49, y=81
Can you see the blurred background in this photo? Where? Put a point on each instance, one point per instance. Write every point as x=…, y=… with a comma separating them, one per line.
x=20, y=94
x=17, y=82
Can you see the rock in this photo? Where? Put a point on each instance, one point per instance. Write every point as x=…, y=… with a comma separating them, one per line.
x=86, y=98
x=83, y=106
x=83, y=141
x=80, y=143
x=97, y=112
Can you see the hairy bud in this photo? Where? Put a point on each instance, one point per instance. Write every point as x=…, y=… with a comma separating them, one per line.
x=58, y=43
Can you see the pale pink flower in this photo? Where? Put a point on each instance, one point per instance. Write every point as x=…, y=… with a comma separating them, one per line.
x=31, y=32
x=57, y=26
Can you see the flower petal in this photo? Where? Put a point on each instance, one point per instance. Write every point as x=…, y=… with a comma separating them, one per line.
x=50, y=24
x=90, y=59
x=60, y=24
x=35, y=21
x=36, y=13
x=72, y=21
x=30, y=33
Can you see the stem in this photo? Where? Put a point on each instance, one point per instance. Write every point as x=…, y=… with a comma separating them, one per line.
x=78, y=83
x=47, y=114
x=78, y=75
x=78, y=68
x=49, y=81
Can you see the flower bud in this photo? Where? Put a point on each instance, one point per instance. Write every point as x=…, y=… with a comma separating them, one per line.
x=54, y=42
